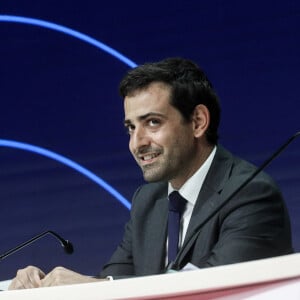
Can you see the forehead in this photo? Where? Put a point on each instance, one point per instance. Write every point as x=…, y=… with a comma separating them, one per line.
x=153, y=98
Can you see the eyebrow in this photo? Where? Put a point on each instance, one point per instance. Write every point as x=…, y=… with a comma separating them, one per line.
x=143, y=117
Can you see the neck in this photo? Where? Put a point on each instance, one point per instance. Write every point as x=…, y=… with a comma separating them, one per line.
x=203, y=154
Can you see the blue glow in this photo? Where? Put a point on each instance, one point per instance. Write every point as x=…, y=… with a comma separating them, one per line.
x=66, y=161
x=71, y=32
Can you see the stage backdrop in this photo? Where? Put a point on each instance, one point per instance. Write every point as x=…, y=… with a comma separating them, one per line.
x=64, y=159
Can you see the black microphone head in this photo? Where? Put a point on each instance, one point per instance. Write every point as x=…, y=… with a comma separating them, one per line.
x=68, y=247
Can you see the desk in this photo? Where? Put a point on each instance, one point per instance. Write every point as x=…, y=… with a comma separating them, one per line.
x=272, y=278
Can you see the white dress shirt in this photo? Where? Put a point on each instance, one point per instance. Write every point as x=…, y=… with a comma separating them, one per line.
x=190, y=191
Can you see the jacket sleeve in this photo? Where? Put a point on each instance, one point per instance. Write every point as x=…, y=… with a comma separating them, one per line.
x=121, y=262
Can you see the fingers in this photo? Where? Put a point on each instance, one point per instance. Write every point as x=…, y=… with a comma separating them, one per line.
x=58, y=276
x=30, y=277
x=33, y=277
x=62, y=276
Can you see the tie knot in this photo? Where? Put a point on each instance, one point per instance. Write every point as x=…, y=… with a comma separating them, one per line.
x=176, y=202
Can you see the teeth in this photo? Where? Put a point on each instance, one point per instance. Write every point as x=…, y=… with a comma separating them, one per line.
x=147, y=157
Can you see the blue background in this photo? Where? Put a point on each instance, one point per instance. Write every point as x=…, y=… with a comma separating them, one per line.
x=60, y=93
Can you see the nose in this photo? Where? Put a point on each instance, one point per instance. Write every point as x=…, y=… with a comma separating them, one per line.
x=138, y=139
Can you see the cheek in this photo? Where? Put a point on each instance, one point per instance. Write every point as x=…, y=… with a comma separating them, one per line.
x=182, y=141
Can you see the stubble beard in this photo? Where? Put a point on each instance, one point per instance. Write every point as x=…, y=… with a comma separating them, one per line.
x=152, y=173
x=158, y=171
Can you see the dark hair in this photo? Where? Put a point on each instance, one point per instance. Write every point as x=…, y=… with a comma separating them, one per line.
x=189, y=87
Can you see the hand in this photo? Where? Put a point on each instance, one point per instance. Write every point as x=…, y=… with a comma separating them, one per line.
x=62, y=276
x=27, y=278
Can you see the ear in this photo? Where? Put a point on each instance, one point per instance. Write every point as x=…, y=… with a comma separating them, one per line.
x=201, y=120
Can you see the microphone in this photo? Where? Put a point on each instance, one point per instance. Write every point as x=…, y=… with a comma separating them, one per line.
x=174, y=265
x=67, y=245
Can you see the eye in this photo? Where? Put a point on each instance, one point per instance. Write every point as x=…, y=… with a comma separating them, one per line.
x=153, y=122
x=129, y=128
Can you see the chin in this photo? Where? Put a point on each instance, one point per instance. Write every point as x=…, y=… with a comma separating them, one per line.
x=153, y=177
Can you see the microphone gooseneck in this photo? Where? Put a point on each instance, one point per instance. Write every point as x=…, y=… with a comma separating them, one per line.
x=67, y=245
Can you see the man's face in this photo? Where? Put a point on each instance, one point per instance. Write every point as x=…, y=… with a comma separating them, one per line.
x=161, y=141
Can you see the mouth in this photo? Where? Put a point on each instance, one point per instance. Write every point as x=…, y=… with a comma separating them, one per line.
x=148, y=158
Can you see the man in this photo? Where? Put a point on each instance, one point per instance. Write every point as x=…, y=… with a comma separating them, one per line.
x=172, y=116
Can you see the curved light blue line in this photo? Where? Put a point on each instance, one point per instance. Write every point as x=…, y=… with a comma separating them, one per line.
x=69, y=163
x=71, y=32
x=45, y=152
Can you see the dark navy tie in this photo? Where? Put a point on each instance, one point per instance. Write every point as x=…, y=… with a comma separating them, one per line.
x=176, y=207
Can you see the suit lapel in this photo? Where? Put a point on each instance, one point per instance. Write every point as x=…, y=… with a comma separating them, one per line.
x=209, y=198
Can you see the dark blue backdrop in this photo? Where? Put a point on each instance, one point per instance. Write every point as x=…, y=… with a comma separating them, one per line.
x=60, y=93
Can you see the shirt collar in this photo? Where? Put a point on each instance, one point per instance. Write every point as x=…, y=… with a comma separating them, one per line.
x=192, y=186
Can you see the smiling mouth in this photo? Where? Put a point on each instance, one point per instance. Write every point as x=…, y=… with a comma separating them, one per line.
x=148, y=157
